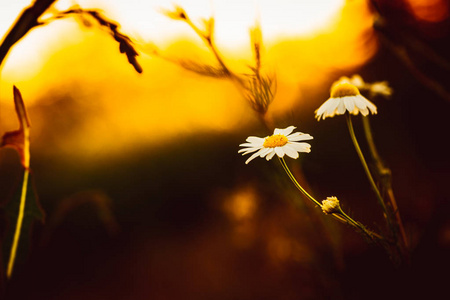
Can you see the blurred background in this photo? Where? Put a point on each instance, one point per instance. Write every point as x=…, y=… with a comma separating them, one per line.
x=144, y=192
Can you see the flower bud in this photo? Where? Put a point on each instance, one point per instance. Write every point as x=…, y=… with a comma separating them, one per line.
x=330, y=205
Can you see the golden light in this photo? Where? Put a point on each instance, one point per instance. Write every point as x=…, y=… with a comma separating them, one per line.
x=80, y=69
x=242, y=204
x=233, y=18
x=241, y=208
x=145, y=22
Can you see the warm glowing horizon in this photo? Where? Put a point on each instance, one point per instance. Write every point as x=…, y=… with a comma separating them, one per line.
x=145, y=22
x=57, y=60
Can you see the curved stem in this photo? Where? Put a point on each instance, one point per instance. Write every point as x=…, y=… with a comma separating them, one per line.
x=340, y=215
x=291, y=176
x=365, y=166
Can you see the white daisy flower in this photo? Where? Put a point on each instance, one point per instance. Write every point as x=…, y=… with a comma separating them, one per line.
x=345, y=97
x=282, y=142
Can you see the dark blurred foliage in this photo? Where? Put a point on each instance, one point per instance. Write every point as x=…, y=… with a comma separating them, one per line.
x=152, y=225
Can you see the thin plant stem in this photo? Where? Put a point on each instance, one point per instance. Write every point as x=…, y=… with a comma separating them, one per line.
x=365, y=166
x=208, y=38
x=256, y=89
x=25, y=22
x=19, y=223
x=291, y=176
x=384, y=173
x=372, y=235
x=373, y=150
x=341, y=216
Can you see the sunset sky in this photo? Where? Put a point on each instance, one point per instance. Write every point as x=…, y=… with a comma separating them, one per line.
x=304, y=42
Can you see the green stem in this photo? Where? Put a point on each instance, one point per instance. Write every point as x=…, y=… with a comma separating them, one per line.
x=371, y=143
x=14, y=246
x=347, y=217
x=365, y=166
x=301, y=189
x=372, y=235
x=341, y=216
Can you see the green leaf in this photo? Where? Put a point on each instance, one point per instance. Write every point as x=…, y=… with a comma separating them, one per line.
x=32, y=213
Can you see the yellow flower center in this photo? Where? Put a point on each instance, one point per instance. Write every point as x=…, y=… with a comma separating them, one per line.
x=343, y=90
x=276, y=140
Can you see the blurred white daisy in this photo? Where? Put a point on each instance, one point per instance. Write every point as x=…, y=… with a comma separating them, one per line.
x=345, y=97
x=380, y=88
x=376, y=88
x=282, y=142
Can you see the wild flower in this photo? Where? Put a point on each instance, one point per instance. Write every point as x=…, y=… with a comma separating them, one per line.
x=282, y=142
x=330, y=205
x=345, y=97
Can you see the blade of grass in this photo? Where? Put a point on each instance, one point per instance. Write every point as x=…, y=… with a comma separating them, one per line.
x=15, y=243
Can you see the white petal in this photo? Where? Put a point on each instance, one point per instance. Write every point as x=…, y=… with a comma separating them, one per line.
x=349, y=103
x=244, y=150
x=290, y=151
x=265, y=152
x=355, y=111
x=322, y=111
x=254, y=155
x=248, y=150
x=372, y=107
x=255, y=140
x=333, y=104
x=270, y=155
x=364, y=111
x=287, y=130
x=301, y=147
x=362, y=103
x=279, y=151
x=294, y=134
x=301, y=137
x=319, y=114
x=341, y=107
x=249, y=145
x=328, y=109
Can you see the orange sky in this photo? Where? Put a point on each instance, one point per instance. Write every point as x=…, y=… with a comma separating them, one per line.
x=113, y=105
